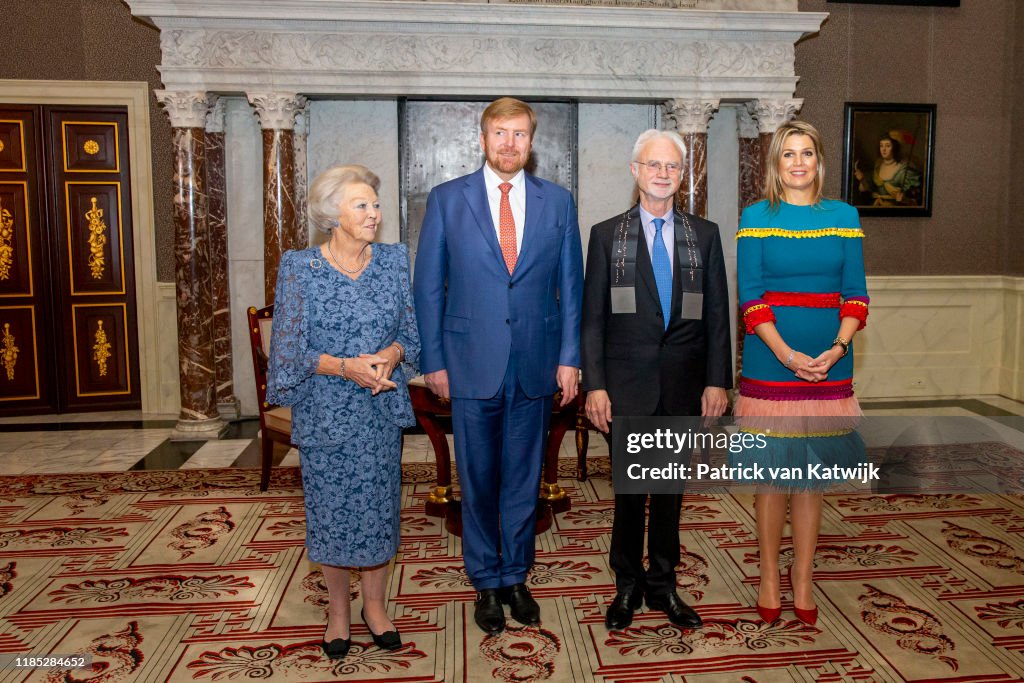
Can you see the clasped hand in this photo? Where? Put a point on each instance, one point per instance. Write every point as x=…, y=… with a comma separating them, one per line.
x=814, y=369
x=373, y=370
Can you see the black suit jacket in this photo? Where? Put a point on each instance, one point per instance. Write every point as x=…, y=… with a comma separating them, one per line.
x=631, y=355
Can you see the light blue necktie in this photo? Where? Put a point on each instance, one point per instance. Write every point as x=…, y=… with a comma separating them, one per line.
x=662, y=270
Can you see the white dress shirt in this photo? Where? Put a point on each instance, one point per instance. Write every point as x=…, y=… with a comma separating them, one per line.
x=668, y=234
x=516, y=198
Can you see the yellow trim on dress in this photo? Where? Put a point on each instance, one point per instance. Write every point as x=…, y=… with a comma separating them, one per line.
x=794, y=435
x=755, y=307
x=782, y=232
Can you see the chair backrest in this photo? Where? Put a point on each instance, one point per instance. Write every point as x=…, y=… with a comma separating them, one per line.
x=260, y=321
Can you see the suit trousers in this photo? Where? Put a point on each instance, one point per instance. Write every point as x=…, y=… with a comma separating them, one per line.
x=627, y=549
x=499, y=454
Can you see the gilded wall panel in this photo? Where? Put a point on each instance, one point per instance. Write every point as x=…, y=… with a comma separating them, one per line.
x=15, y=241
x=19, y=361
x=100, y=333
x=90, y=147
x=12, y=146
x=94, y=237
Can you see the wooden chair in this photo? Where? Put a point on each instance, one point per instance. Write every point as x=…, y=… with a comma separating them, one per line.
x=275, y=421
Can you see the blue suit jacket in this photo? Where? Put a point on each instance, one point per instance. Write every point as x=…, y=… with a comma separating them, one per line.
x=473, y=316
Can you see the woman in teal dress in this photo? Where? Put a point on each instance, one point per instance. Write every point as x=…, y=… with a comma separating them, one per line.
x=802, y=289
x=344, y=343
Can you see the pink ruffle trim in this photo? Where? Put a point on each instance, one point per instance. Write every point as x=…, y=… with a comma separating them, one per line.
x=797, y=418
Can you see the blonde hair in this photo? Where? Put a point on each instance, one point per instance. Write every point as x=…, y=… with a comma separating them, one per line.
x=325, y=193
x=506, y=108
x=773, y=190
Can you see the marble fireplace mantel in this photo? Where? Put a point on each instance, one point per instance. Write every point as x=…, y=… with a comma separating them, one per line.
x=402, y=48
x=326, y=77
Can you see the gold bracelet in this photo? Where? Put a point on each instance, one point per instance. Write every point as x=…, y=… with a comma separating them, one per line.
x=342, y=373
x=401, y=350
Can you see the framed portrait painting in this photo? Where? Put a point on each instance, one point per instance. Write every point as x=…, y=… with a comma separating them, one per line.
x=888, y=158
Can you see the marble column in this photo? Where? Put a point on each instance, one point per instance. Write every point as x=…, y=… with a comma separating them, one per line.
x=301, y=176
x=276, y=112
x=690, y=119
x=751, y=181
x=199, y=418
x=216, y=184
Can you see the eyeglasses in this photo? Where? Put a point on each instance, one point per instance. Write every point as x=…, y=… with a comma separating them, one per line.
x=656, y=166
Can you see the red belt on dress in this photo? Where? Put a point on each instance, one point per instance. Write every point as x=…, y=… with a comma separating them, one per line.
x=802, y=299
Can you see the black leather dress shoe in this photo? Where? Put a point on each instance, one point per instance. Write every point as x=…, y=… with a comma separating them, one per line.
x=489, y=615
x=524, y=608
x=620, y=611
x=337, y=648
x=679, y=613
x=389, y=640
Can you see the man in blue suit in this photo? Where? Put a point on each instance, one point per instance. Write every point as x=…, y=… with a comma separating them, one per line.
x=498, y=287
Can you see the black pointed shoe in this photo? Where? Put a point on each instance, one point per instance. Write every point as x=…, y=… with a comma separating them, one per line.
x=488, y=614
x=389, y=640
x=620, y=611
x=679, y=613
x=524, y=608
x=337, y=648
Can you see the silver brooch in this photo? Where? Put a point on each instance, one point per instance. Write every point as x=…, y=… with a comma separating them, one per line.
x=315, y=263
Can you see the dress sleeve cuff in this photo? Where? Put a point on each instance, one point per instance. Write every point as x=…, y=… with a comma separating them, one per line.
x=756, y=312
x=855, y=307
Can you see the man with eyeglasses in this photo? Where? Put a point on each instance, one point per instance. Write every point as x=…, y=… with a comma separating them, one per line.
x=655, y=341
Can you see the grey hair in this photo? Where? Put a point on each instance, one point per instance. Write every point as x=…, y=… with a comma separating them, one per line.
x=654, y=133
x=326, y=191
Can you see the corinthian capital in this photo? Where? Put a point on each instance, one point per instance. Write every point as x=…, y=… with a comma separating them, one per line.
x=302, y=120
x=185, y=108
x=773, y=114
x=215, y=116
x=276, y=110
x=746, y=126
x=689, y=116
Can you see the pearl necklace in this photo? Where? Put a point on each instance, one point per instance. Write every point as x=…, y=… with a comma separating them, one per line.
x=358, y=256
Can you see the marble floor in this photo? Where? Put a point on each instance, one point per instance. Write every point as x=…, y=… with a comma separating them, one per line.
x=129, y=440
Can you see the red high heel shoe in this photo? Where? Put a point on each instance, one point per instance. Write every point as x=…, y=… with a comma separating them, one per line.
x=768, y=614
x=808, y=616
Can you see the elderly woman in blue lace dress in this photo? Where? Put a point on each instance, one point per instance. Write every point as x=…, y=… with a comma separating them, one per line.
x=344, y=343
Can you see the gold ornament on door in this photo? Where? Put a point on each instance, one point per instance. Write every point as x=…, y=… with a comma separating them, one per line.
x=91, y=147
x=9, y=352
x=6, y=238
x=97, y=240
x=101, y=349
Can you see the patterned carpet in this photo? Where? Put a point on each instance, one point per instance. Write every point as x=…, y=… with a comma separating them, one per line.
x=192, y=575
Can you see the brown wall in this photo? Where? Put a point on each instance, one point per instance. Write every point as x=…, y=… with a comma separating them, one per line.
x=961, y=59
x=94, y=40
x=967, y=60
x=1014, y=236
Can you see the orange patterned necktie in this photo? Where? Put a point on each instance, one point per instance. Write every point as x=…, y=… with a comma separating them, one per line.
x=507, y=228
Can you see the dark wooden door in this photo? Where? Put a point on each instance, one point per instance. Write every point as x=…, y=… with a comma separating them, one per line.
x=82, y=300
x=27, y=366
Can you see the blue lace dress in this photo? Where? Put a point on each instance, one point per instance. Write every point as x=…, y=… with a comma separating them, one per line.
x=349, y=441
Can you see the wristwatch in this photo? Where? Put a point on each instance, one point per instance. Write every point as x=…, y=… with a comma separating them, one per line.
x=844, y=343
